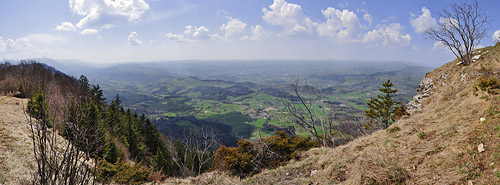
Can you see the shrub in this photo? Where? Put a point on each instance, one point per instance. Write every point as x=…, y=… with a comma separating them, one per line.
x=421, y=135
x=393, y=129
x=122, y=172
x=489, y=84
x=251, y=157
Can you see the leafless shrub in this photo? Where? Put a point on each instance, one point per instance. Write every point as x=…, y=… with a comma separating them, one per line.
x=61, y=161
x=305, y=105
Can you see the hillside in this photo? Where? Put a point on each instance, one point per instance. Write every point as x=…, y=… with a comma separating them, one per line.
x=442, y=144
x=243, y=98
x=16, y=149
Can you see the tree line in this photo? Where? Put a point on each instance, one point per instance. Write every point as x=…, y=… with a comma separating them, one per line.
x=103, y=142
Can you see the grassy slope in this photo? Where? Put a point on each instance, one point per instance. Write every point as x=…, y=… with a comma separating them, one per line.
x=436, y=146
x=16, y=151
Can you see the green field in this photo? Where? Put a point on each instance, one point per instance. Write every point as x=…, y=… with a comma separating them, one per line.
x=252, y=102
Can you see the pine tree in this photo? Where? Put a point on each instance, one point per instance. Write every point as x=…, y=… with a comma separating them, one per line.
x=381, y=108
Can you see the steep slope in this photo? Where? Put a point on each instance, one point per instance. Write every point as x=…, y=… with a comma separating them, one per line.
x=16, y=150
x=443, y=143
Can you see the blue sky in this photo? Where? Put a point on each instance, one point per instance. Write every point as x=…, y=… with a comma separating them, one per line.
x=106, y=31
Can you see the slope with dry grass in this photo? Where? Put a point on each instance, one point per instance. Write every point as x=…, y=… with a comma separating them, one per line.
x=17, y=163
x=438, y=145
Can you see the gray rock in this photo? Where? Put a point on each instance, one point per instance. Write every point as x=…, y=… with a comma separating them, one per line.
x=475, y=58
x=444, y=76
x=424, y=91
x=314, y=172
x=480, y=148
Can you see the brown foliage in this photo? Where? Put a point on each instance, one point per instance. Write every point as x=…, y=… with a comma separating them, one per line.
x=122, y=172
x=252, y=157
x=489, y=84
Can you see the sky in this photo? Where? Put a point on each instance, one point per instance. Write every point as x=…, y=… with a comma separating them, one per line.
x=109, y=31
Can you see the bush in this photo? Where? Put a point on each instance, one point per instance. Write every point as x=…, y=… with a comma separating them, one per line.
x=122, y=172
x=252, y=157
x=393, y=129
x=489, y=84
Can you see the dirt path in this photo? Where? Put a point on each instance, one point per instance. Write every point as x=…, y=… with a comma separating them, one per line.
x=16, y=151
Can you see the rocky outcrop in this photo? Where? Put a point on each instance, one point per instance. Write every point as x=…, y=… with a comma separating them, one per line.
x=424, y=91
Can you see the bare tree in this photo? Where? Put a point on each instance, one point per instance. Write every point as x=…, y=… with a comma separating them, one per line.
x=460, y=29
x=61, y=161
x=305, y=106
x=206, y=146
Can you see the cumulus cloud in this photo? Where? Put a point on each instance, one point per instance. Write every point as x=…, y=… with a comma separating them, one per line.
x=11, y=45
x=107, y=13
x=191, y=33
x=89, y=31
x=496, y=36
x=387, y=35
x=423, y=21
x=339, y=24
x=233, y=28
x=133, y=39
x=258, y=33
x=66, y=26
x=289, y=16
x=176, y=37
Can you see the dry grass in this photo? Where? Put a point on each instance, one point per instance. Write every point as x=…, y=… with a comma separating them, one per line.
x=16, y=156
x=446, y=153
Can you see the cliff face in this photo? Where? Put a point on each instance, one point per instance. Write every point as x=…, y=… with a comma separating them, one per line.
x=451, y=137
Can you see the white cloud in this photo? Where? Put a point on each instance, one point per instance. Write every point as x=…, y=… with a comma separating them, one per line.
x=289, y=16
x=233, y=28
x=423, y=21
x=344, y=5
x=191, y=33
x=66, y=26
x=496, y=36
x=339, y=24
x=438, y=46
x=368, y=18
x=258, y=33
x=89, y=31
x=133, y=39
x=201, y=32
x=11, y=45
x=387, y=35
x=176, y=37
x=107, y=13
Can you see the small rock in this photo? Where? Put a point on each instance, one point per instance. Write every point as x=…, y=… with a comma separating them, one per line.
x=475, y=58
x=470, y=182
x=314, y=172
x=480, y=148
x=463, y=78
x=444, y=76
x=287, y=174
x=482, y=119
